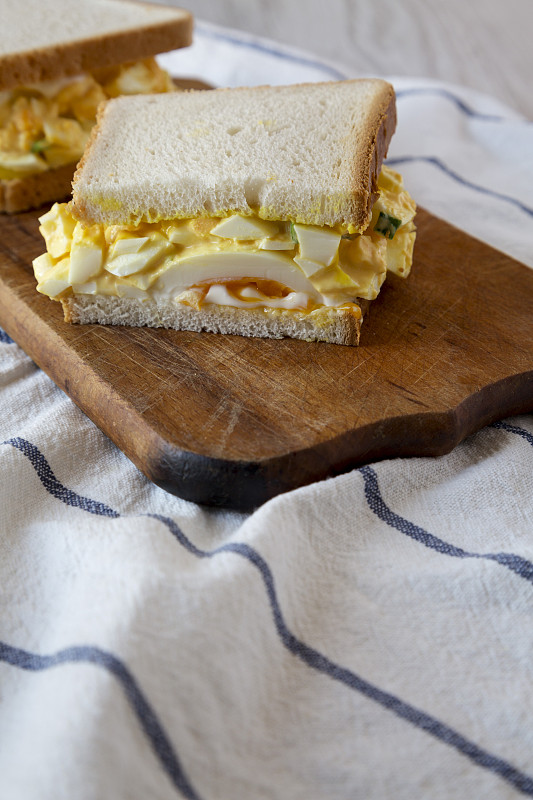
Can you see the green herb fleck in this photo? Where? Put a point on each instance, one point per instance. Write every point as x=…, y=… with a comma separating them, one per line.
x=293, y=233
x=39, y=146
x=387, y=225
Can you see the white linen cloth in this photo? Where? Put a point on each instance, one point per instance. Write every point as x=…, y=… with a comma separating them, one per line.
x=369, y=636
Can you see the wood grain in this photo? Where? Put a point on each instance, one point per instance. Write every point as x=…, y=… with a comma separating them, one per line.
x=230, y=421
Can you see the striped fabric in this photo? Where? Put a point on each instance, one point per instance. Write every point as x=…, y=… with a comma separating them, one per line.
x=370, y=636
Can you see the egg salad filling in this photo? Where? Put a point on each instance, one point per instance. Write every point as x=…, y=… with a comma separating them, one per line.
x=46, y=125
x=240, y=261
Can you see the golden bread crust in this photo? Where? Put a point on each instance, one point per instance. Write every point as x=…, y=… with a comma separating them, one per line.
x=366, y=180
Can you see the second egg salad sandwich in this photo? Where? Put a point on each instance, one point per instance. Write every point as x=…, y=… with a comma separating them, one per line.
x=261, y=212
x=58, y=60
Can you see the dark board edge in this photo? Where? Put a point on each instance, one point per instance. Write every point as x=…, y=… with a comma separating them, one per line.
x=244, y=485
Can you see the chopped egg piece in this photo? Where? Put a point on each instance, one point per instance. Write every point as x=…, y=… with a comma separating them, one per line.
x=308, y=266
x=333, y=280
x=57, y=228
x=22, y=164
x=399, y=251
x=66, y=133
x=151, y=251
x=42, y=265
x=86, y=253
x=126, y=245
x=181, y=234
x=56, y=280
x=317, y=244
x=393, y=199
x=91, y=287
x=85, y=262
x=238, y=227
x=278, y=243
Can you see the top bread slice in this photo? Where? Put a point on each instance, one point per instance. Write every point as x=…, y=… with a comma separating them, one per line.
x=309, y=153
x=43, y=40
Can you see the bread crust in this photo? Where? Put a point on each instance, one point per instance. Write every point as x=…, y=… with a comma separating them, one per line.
x=336, y=326
x=34, y=190
x=380, y=134
x=109, y=49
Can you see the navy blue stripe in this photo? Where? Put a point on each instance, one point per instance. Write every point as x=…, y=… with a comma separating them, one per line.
x=321, y=663
x=4, y=338
x=514, y=429
x=461, y=105
x=392, y=162
x=515, y=563
x=271, y=50
x=53, y=486
x=147, y=717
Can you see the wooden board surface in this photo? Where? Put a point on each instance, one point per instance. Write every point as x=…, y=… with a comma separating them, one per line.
x=230, y=421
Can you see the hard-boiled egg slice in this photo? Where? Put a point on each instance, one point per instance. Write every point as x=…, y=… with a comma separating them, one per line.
x=317, y=244
x=210, y=267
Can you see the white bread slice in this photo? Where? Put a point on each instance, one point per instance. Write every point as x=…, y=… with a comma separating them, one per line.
x=337, y=326
x=309, y=153
x=46, y=40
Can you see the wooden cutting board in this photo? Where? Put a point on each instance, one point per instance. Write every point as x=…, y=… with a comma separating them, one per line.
x=229, y=421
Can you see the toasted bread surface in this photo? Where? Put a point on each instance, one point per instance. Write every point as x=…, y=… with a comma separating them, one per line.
x=309, y=153
x=42, y=40
x=337, y=326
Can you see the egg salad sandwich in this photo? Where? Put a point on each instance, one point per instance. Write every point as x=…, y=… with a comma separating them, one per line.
x=259, y=211
x=58, y=61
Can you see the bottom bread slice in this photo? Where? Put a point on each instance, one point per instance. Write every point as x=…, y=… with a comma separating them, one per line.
x=20, y=194
x=337, y=326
